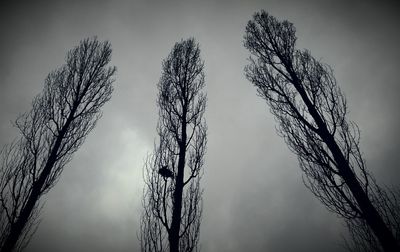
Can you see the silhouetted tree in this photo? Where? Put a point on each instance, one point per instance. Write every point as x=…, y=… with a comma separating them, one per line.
x=56, y=126
x=172, y=196
x=311, y=110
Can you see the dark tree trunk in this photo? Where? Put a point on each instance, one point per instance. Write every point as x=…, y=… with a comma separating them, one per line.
x=18, y=227
x=369, y=212
x=179, y=183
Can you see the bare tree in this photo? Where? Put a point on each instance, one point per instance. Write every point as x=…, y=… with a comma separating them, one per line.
x=56, y=126
x=172, y=196
x=311, y=110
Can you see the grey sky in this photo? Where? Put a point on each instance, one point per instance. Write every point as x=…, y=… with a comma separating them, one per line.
x=254, y=198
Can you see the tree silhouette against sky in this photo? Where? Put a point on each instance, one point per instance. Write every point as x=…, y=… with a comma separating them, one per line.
x=172, y=197
x=312, y=114
x=57, y=125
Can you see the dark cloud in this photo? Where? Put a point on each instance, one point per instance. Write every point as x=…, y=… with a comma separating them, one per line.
x=254, y=198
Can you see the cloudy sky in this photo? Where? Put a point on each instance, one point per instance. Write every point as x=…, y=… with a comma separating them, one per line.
x=254, y=198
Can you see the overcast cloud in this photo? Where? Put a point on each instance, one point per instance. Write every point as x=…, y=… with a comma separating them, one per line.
x=254, y=198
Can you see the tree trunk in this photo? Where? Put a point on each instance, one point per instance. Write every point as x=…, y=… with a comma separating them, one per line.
x=18, y=226
x=177, y=208
x=370, y=214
